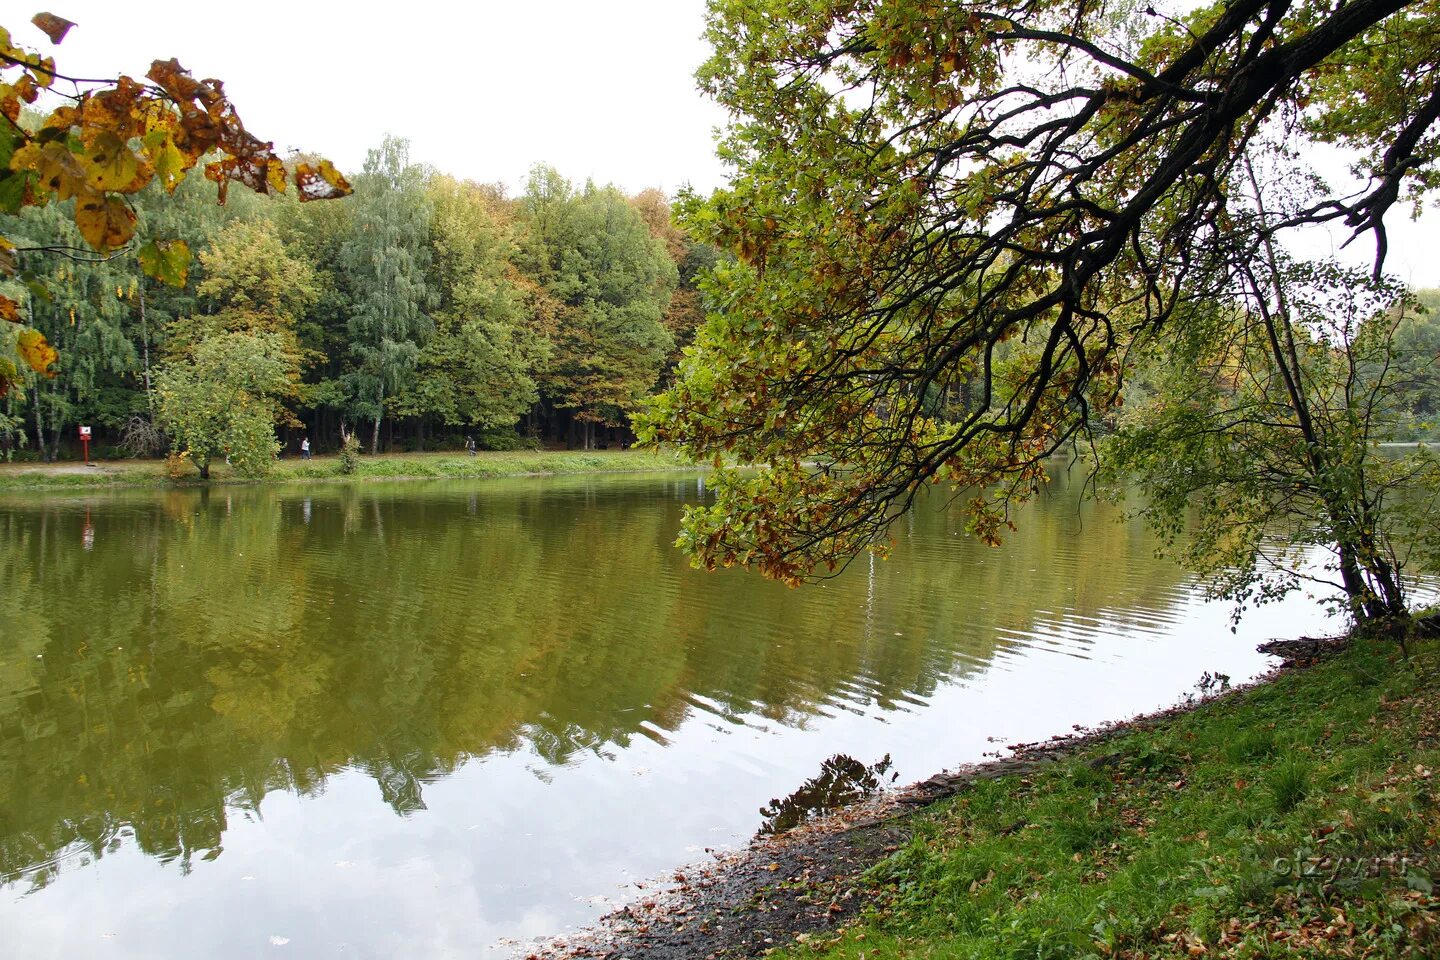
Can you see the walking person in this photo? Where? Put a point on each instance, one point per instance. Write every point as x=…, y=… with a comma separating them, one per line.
x=305, y=448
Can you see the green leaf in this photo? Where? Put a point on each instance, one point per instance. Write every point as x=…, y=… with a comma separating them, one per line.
x=37, y=287
x=12, y=190
x=167, y=261
x=11, y=137
x=12, y=182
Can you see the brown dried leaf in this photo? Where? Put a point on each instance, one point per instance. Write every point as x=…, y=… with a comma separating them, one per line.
x=321, y=182
x=52, y=26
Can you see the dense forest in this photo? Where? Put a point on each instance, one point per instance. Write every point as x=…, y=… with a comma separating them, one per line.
x=422, y=311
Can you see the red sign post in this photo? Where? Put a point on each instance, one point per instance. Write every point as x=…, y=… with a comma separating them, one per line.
x=85, y=442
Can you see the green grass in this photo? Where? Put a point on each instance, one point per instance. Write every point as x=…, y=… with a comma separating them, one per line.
x=1299, y=818
x=385, y=466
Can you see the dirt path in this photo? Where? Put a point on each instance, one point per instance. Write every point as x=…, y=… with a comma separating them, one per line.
x=57, y=469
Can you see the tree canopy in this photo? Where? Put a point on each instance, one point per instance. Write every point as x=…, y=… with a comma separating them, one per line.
x=489, y=320
x=960, y=225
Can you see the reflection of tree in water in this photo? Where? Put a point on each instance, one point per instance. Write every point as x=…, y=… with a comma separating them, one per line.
x=399, y=784
x=219, y=648
x=842, y=780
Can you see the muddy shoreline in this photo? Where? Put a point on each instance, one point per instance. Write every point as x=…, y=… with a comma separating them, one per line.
x=804, y=884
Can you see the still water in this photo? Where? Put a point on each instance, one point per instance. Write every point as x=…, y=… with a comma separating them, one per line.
x=430, y=719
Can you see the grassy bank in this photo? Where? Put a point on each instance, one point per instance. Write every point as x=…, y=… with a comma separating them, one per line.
x=1296, y=819
x=371, y=467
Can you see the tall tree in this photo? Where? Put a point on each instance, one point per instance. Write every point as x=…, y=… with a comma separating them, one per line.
x=254, y=285
x=916, y=184
x=595, y=256
x=318, y=234
x=253, y=281
x=682, y=318
x=474, y=368
x=220, y=400
x=1264, y=421
x=84, y=313
x=386, y=258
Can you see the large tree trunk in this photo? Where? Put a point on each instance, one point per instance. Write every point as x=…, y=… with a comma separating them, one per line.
x=1371, y=584
x=1353, y=580
x=1384, y=583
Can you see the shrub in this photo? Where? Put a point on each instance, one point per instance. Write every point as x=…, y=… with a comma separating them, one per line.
x=350, y=454
x=504, y=439
x=177, y=465
x=140, y=437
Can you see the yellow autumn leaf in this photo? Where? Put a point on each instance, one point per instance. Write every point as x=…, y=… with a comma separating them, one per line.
x=111, y=165
x=170, y=165
x=275, y=176
x=43, y=69
x=104, y=222
x=35, y=350
x=9, y=310
x=59, y=171
x=169, y=161
x=9, y=103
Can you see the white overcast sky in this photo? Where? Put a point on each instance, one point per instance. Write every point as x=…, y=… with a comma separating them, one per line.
x=600, y=89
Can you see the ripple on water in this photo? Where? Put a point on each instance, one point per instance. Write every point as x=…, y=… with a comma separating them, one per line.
x=516, y=690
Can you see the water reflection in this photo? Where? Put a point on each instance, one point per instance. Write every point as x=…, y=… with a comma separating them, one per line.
x=538, y=648
x=842, y=780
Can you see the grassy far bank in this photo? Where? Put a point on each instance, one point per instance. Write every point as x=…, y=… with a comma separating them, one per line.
x=389, y=466
x=1297, y=819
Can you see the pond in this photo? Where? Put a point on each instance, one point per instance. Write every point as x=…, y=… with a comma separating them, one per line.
x=434, y=718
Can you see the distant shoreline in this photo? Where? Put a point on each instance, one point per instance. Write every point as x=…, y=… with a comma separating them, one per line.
x=386, y=466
